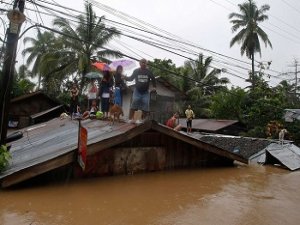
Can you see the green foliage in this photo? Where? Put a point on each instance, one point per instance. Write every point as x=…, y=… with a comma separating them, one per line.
x=249, y=33
x=257, y=131
x=293, y=131
x=229, y=104
x=200, y=104
x=166, y=69
x=57, y=59
x=206, y=78
x=80, y=44
x=44, y=43
x=264, y=110
x=4, y=157
x=21, y=84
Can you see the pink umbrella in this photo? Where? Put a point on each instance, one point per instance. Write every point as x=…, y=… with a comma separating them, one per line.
x=127, y=64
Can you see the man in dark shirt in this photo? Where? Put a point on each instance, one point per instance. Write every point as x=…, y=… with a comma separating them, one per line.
x=141, y=95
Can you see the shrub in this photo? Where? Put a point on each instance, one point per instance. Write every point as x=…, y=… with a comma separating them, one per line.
x=4, y=157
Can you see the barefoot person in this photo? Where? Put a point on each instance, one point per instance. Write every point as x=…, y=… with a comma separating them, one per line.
x=141, y=96
x=189, y=113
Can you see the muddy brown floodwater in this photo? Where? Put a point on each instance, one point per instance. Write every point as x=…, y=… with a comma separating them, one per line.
x=227, y=196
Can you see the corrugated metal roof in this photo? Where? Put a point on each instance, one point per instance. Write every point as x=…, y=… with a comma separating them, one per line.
x=286, y=154
x=291, y=115
x=55, y=138
x=208, y=124
x=46, y=111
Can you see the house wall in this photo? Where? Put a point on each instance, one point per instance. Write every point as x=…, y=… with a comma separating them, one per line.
x=150, y=151
x=160, y=109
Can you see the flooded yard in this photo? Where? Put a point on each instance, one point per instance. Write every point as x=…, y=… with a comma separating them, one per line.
x=241, y=195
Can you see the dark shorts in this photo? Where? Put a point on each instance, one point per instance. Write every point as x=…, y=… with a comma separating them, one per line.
x=189, y=123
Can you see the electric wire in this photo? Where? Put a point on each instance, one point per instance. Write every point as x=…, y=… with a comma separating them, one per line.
x=79, y=11
x=247, y=69
x=44, y=1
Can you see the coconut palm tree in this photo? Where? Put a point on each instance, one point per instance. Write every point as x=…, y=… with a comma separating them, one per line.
x=21, y=84
x=249, y=33
x=206, y=78
x=42, y=44
x=81, y=44
x=206, y=82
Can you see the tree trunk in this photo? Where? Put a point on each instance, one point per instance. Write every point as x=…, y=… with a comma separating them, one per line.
x=39, y=82
x=253, y=72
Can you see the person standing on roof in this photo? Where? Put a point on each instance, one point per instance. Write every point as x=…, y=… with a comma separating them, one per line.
x=105, y=92
x=74, y=101
x=141, y=95
x=120, y=86
x=190, y=115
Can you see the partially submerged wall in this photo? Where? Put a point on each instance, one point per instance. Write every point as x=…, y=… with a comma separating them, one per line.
x=149, y=152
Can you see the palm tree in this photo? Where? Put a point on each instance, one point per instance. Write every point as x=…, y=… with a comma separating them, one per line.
x=21, y=84
x=250, y=33
x=206, y=82
x=81, y=44
x=43, y=43
x=206, y=78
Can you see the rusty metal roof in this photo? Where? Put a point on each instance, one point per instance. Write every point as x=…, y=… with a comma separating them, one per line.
x=56, y=140
x=208, y=124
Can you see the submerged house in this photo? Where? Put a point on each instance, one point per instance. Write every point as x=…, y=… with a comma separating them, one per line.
x=291, y=115
x=32, y=108
x=119, y=149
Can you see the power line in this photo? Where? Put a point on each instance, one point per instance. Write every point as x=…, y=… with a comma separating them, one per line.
x=127, y=25
x=292, y=7
x=164, y=69
x=122, y=34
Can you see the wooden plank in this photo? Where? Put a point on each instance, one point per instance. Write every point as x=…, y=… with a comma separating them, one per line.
x=198, y=143
x=34, y=116
x=38, y=169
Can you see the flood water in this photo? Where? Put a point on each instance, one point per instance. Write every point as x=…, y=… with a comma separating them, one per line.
x=241, y=195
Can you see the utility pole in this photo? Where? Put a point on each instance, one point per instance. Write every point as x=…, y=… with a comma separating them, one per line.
x=16, y=18
x=296, y=75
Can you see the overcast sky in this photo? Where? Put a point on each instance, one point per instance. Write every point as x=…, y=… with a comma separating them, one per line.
x=205, y=23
